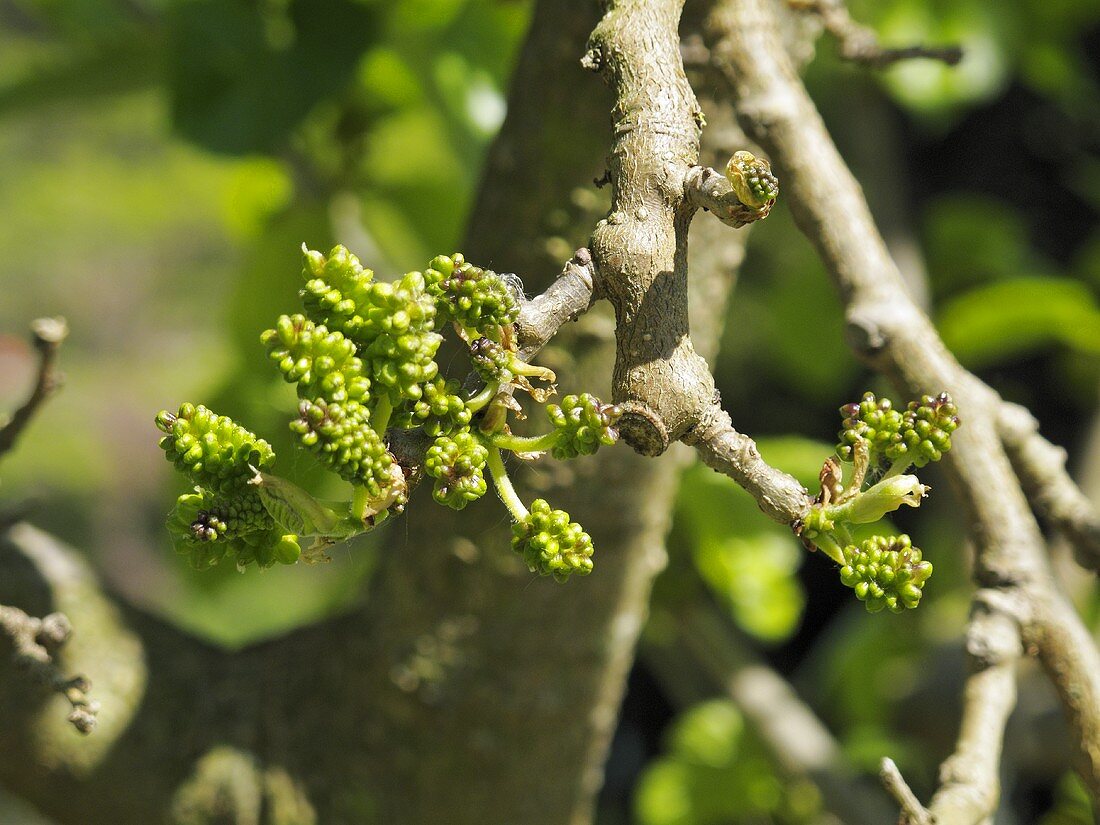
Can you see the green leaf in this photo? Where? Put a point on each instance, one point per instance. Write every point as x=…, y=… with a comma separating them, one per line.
x=1014, y=317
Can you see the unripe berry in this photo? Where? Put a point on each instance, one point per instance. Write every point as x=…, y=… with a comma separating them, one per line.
x=457, y=463
x=886, y=572
x=341, y=436
x=551, y=544
x=322, y=363
x=440, y=410
x=583, y=424
x=214, y=451
x=476, y=299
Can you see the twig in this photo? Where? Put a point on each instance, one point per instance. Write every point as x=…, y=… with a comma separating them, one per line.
x=47, y=335
x=1017, y=604
x=859, y=44
x=1058, y=500
x=913, y=813
x=35, y=642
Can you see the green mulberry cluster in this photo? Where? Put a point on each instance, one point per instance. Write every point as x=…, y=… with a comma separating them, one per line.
x=212, y=450
x=475, y=299
x=582, y=424
x=223, y=516
x=920, y=434
x=886, y=572
x=362, y=357
x=341, y=436
x=551, y=544
x=752, y=179
x=457, y=464
x=441, y=409
x=323, y=364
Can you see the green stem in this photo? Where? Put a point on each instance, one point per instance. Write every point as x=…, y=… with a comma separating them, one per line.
x=487, y=394
x=380, y=418
x=519, y=367
x=526, y=444
x=360, y=502
x=504, y=486
x=896, y=469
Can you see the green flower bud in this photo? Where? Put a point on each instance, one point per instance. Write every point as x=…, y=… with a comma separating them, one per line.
x=213, y=450
x=322, y=363
x=752, y=179
x=457, y=463
x=491, y=361
x=476, y=299
x=551, y=544
x=337, y=291
x=885, y=572
x=882, y=498
x=583, y=424
x=920, y=434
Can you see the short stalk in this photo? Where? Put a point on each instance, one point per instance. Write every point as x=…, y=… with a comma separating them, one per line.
x=380, y=418
x=504, y=486
x=525, y=444
x=828, y=545
x=487, y=394
x=896, y=469
x=360, y=503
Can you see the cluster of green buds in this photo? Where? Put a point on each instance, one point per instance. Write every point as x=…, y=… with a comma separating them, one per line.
x=881, y=444
x=362, y=359
x=752, y=180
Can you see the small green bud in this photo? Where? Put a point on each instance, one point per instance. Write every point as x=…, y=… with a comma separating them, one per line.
x=440, y=410
x=475, y=299
x=752, y=179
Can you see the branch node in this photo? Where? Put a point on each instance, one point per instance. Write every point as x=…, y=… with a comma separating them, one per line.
x=643, y=429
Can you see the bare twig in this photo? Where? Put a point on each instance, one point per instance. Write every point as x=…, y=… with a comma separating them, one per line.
x=913, y=813
x=47, y=335
x=860, y=44
x=1058, y=500
x=1017, y=604
x=564, y=300
x=35, y=642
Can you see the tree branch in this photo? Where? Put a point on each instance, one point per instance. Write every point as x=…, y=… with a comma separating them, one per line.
x=859, y=43
x=889, y=331
x=47, y=335
x=35, y=642
x=1041, y=467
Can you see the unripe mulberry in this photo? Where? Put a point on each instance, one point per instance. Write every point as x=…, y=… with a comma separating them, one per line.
x=886, y=572
x=322, y=363
x=476, y=299
x=457, y=463
x=551, y=544
x=213, y=450
x=582, y=424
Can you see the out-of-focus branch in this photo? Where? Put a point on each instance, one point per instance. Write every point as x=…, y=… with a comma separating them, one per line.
x=1058, y=500
x=47, y=335
x=1017, y=605
x=859, y=43
x=36, y=642
x=913, y=813
x=800, y=744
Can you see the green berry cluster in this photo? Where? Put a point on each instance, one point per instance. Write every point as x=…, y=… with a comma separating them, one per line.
x=223, y=516
x=551, y=544
x=323, y=364
x=341, y=436
x=918, y=435
x=212, y=450
x=362, y=359
x=457, y=464
x=477, y=300
x=752, y=180
x=583, y=423
x=886, y=572
x=881, y=443
x=441, y=409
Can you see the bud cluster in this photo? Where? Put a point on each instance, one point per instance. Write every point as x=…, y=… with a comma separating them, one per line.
x=551, y=544
x=582, y=424
x=918, y=435
x=477, y=300
x=457, y=464
x=886, y=572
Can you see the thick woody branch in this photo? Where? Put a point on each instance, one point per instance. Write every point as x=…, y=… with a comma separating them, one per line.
x=567, y=297
x=1058, y=500
x=35, y=643
x=860, y=44
x=889, y=331
x=47, y=335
